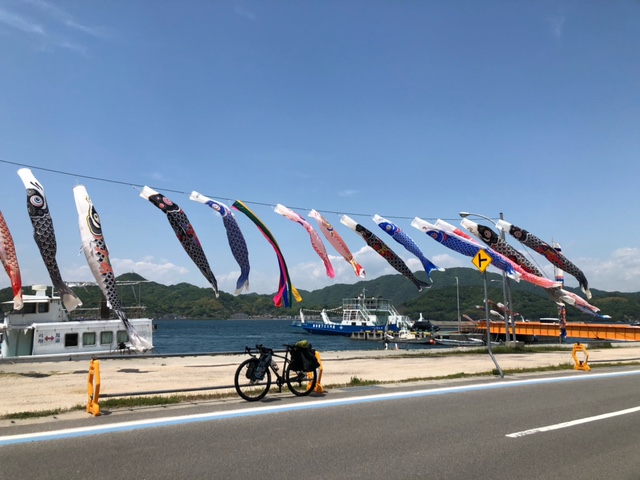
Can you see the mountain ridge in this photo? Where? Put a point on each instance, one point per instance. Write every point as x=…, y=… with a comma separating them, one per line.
x=439, y=302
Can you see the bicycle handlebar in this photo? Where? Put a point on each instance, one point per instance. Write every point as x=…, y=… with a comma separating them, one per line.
x=259, y=348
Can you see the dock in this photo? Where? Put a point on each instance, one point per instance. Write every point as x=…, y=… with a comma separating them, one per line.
x=594, y=331
x=421, y=338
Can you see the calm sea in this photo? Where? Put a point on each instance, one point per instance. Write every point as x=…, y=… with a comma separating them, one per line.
x=209, y=336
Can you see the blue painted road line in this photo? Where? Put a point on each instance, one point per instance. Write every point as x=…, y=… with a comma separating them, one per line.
x=320, y=403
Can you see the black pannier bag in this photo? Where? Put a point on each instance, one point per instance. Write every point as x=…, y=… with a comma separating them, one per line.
x=303, y=358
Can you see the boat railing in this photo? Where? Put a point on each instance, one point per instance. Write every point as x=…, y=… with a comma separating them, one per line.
x=393, y=311
x=355, y=316
x=354, y=310
x=375, y=309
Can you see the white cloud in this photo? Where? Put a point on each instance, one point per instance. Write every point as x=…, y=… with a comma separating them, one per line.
x=556, y=25
x=621, y=272
x=158, y=176
x=53, y=28
x=348, y=193
x=72, y=46
x=161, y=272
x=243, y=12
x=447, y=261
x=21, y=23
x=166, y=272
x=64, y=18
x=93, y=31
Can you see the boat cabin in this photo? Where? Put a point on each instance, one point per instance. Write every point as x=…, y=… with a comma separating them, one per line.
x=43, y=328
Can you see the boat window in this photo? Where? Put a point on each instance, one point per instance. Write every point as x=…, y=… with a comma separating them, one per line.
x=106, y=338
x=43, y=307
x=71, y=340
x=89, y=338
x=28, y=308
x=122, y=336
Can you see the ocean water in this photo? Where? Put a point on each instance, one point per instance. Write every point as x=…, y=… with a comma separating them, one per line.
x=217, y=336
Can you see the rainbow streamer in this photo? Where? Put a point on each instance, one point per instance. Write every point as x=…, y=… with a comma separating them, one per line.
x=286, y=290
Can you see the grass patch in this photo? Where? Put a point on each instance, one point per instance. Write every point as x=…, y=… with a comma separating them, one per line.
x=131, y=402
x=613, y=364
x=503, y=349
x=550, y=368
x=158, y=400
x=358, y=382
x=121, y=402
x=452, y=376
x=40, y=413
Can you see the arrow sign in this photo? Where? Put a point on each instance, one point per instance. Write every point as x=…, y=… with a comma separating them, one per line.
x=482, y=260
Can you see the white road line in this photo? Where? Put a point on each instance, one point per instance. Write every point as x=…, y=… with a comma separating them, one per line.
x=261, y=410
x=579, y=421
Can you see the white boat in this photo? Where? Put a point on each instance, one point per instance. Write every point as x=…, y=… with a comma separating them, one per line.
x=359, y=315
x=450, y=342
x=42, y=328
x=467, y=342
x=405, y=334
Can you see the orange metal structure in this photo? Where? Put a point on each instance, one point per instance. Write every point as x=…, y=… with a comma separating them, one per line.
x=580, y=364
x=93, y=388
x=596, y=331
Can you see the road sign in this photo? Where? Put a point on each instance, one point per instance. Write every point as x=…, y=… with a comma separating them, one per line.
x=482, y=260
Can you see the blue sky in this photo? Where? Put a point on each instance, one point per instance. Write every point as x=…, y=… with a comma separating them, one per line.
x=396, y=108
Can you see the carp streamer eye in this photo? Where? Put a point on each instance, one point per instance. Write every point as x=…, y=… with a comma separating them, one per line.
x=37, y=201
x=94, y=222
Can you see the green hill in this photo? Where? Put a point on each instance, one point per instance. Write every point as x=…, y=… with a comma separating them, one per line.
x=437, y=303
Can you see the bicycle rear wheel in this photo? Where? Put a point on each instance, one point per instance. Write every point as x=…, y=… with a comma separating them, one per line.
x=300, y=383
x=249, y=387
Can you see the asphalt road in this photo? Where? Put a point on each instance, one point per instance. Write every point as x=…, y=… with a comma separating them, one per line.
x=573, y=425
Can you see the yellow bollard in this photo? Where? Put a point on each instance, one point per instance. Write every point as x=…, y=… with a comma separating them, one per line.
x=580, y=364
x=318, y=388
x=94, y=392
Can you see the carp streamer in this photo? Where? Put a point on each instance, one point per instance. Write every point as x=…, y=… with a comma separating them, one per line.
x=286, y=290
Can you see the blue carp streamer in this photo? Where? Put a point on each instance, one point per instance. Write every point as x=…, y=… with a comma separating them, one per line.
x=237, y=242
x=407, y=242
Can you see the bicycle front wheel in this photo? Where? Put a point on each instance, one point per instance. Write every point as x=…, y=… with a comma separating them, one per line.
x=300, y=383
x=249, y=387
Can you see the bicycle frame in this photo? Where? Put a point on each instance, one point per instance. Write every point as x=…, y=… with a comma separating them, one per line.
x=268, y=352
x=254, y=387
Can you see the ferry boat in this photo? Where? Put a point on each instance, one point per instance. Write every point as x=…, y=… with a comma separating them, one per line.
x=42, y=328
x=359, y=315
